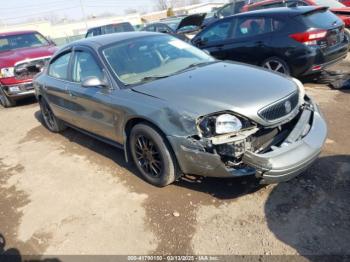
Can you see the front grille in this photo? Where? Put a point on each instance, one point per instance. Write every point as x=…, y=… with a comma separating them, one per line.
x=29, y=68
x=281, y=108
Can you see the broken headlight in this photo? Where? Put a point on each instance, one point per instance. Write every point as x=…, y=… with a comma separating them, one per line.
x=220, y=124
x=7, y=72
x=227, y=124
x=301, y=90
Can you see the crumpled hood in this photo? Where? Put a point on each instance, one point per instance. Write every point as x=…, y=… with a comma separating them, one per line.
x=10, y=58
x=219, y=87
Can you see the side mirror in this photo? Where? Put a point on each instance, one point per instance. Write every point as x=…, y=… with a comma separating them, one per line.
x=93, y=81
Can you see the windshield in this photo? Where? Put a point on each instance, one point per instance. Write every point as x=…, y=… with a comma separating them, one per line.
x=329, y=3
x=12, y=42
x=152, y=57
x=173, y=24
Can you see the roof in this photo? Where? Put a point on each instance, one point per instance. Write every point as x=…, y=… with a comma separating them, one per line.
x=17, y=32
x=116, y=23
x=281, y=11
x=102, y=40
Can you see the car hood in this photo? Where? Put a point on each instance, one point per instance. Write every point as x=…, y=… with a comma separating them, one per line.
x=219, y=87
x=191, y=20
x=10, y=58
x=344, y=10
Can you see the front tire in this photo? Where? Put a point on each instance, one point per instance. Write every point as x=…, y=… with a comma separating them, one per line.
x=152, y=155
x=277, y=65
x=6, y=101
x=50, y=120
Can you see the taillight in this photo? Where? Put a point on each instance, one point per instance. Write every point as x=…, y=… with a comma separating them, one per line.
x=309, y=37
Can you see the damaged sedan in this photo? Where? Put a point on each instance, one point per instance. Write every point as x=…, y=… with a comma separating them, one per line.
x=176, y=110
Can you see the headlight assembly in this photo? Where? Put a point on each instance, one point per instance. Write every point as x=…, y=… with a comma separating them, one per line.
x=7, y=72
x=301, y=90
x=227, y=124
x=220, y=124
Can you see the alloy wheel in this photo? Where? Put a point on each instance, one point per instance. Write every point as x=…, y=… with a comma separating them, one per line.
x=148, y=156
x=275, y=65
x=2, y=102
x=48, y=115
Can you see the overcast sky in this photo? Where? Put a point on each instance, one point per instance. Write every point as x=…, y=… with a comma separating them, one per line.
x=13, y=11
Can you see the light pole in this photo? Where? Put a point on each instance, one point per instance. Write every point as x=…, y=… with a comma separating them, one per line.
x=84, y=15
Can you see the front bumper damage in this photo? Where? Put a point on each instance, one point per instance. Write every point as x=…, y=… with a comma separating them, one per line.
x=281, y=163
x=17, y=91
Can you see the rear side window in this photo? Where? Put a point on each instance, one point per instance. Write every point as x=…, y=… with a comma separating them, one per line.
x=118, y=28
x=246, y=27
x=93, y=32
x=219, y=32
x=278, y=25
x=150, y=28
x=59, y=67
x=162, y=29
x=320, y=19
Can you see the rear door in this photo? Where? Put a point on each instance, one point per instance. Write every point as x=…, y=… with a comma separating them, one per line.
x=241, y=39
x=56, y=86
x=249, y=39
x=94, y=112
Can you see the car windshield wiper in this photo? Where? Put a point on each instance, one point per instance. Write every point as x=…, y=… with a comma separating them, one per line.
x=194, y=65
x=152, y=78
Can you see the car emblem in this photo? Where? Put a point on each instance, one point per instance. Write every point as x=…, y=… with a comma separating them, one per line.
x=288, y=106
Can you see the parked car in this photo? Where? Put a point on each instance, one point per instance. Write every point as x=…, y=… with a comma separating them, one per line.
x=336, y=7
x=22, y=55
x=345, y=2
x=183, y=27
x=110, y=29
x=293, y=41
x=229, y=9
x=175, y=110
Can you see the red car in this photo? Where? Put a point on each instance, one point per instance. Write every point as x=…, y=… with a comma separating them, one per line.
x=336, y=7
x=22, y=55
x=345, y=2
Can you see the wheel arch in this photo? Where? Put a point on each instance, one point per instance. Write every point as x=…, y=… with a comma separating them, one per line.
x=139, y=120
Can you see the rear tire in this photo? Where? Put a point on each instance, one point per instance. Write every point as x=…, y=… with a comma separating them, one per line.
x=277, y=65
x=6, y=101
x=152, y=155
x=50, y=120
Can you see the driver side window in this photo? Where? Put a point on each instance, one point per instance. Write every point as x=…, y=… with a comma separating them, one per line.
x=218, y=32
x=85, y=66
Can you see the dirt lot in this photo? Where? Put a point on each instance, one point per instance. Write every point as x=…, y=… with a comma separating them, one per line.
x=70, y=194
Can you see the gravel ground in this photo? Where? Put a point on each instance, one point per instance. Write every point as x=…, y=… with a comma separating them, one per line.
x=70, y=194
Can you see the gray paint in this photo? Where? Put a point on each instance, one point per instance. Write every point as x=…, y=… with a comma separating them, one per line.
x=174, y=105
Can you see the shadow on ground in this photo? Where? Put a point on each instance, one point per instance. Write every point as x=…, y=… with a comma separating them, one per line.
x=220, y=188
x=334, y=79
x=315, y=217
x=26, y=101
x=14, y=255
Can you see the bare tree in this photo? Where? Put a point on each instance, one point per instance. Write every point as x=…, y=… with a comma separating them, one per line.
x=162, y=4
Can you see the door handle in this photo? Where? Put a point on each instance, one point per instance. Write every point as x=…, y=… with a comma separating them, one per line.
x=72, y=95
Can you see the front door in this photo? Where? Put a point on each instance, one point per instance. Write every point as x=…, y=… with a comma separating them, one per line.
x=94, y=112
